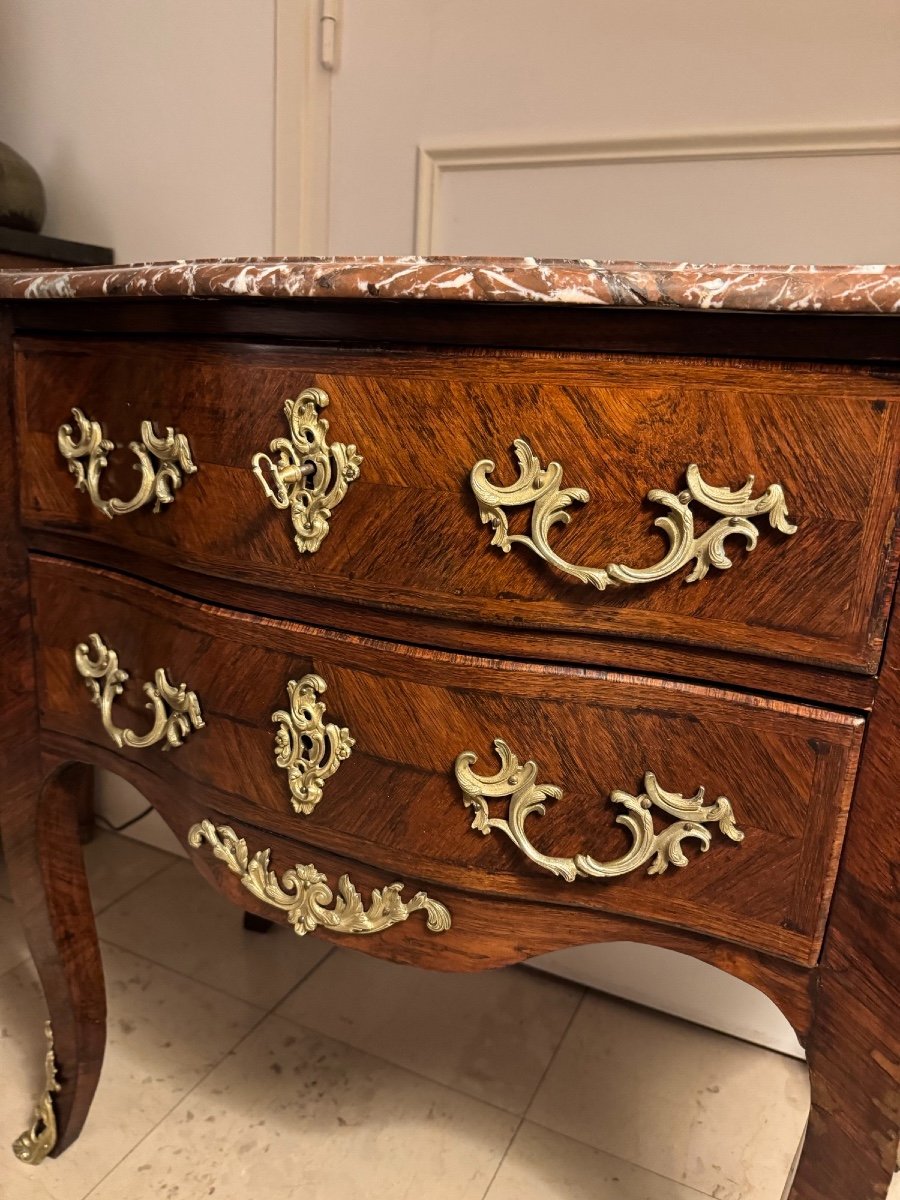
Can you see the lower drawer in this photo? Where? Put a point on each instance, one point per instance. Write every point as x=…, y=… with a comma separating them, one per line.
x=543, y=783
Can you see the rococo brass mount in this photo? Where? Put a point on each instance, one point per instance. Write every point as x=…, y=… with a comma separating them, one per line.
x=176, y=711
x=160, y=461
x=38, y=1140
x=518, y=782
x=541, y=488
x=310, y=477
x=305, y=896
x=305, y=746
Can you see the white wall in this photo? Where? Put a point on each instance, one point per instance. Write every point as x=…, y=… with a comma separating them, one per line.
x=151, y=122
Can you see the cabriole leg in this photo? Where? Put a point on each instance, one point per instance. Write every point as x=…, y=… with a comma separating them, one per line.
x=50, y=889
x=854, y=1045
x=850, y=1151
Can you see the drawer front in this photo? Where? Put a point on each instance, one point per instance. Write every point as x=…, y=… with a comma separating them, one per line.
x=407, y=533
x=384, y=754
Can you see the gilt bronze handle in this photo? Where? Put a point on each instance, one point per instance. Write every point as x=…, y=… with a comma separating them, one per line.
x=541, y=488
x=161, y=461
x=176, y=711
x=517, y=783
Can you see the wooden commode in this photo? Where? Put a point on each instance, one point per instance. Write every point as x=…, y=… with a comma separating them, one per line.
x=460, y=611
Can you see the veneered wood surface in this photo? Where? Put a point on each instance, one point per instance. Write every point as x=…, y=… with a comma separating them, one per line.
x=40, y=827
x=787, y=768
x=407, y=537
x=743, y=671
x=50, y=888
x=18, y=707
x=486, y=931
x=854, y=1051
x=847, y=1004
x=83, y=796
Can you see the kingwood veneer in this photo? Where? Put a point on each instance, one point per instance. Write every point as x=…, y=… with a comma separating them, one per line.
x=411, y=650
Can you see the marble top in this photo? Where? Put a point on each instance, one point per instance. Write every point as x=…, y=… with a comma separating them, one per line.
x=584, y=281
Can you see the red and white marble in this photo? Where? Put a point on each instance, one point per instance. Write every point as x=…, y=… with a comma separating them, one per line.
x=836, y=289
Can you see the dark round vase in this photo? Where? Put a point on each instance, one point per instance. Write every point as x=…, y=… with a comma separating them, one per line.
x=22, y=201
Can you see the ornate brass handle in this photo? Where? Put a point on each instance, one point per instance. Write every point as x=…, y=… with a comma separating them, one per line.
x=176, y=711
x=517, y=782
x=160, y=461
x=541, y=488
x=310, y=477
x=305, y=746
x=305, y=896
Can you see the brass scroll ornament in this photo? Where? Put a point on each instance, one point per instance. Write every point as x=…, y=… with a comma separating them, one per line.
x=305, y=896
x=309, y=477
x=160, y=461
x=35, y=1143
x=541, y=488
x=517, y=782
x=176, y=711
x=305, y=746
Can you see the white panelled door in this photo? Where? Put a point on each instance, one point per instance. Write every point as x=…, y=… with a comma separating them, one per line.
x=704, y=130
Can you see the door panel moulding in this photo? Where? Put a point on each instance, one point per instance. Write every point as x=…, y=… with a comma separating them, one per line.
x=435, y=160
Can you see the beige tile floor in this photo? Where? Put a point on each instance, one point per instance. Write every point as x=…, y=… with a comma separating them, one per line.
x=245, y=1065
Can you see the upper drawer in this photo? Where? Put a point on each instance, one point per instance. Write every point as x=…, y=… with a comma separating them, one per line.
x=406, y=534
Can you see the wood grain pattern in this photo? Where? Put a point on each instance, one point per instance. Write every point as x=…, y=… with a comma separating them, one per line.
x=50, y=888
x=787, y=768
x=854, y=1051
x=84, y=804
x=719, y=666
x=40, y=825
x=19, y=726
x=428, y=639
x=487, y=932
x=407, y=536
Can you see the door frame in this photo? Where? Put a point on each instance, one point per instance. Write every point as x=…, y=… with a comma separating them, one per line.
x=302, y=129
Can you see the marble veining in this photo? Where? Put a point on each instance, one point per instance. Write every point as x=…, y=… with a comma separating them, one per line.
x=836, y=289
